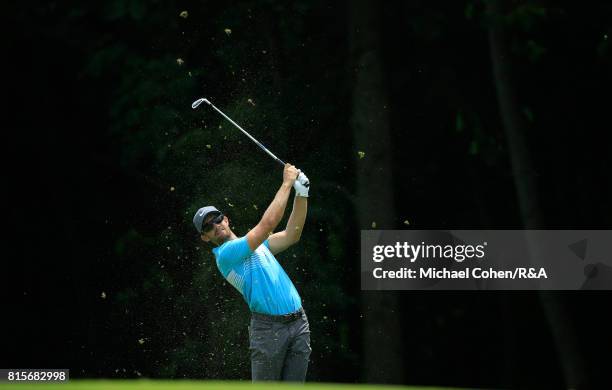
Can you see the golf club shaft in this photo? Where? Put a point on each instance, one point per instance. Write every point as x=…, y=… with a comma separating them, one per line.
x=248, y=135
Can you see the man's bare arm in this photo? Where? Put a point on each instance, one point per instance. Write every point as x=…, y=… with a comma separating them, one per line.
x=275, y=211
x=295, y=225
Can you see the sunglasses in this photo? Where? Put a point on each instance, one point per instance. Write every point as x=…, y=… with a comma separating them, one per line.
x=208, y=226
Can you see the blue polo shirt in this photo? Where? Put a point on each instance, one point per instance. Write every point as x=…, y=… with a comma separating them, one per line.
x=258, y=276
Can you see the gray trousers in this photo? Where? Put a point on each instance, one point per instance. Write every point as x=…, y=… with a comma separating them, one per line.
x=279, y=351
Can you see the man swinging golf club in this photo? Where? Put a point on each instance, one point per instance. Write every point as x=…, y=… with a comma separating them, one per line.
x=279, y=333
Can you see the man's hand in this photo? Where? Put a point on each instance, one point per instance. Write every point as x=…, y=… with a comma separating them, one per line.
x=301, y=185
x=290, y=174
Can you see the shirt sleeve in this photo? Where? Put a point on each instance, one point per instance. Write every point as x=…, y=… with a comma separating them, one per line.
x=233, y=253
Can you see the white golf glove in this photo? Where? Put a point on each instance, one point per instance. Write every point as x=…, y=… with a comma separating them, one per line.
x=301, y=185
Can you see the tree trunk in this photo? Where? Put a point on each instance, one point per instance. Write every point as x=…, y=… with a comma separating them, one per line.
x=381, y=332
x=527, y=192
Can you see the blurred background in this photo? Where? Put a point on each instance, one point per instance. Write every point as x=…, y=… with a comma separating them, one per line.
x=404, y=114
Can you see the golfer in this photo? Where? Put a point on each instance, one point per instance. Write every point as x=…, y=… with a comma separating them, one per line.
x=279, y=335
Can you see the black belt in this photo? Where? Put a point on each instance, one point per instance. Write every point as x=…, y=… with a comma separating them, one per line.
x=278, y=318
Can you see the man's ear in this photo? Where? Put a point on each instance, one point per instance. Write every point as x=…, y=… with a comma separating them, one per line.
x=204, y=238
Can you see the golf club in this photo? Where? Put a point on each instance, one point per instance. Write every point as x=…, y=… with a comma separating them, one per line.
x=195, y=105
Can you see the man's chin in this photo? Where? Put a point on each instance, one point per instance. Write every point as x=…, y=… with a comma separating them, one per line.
x=221, y=238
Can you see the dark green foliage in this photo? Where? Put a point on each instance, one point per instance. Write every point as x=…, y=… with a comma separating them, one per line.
x=119, y=162
x=171, y=308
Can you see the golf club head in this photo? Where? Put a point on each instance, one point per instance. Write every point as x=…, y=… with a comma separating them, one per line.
x=195, y=104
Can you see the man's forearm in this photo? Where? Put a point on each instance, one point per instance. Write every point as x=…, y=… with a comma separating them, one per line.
x=296, y=221
x=276, y=209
